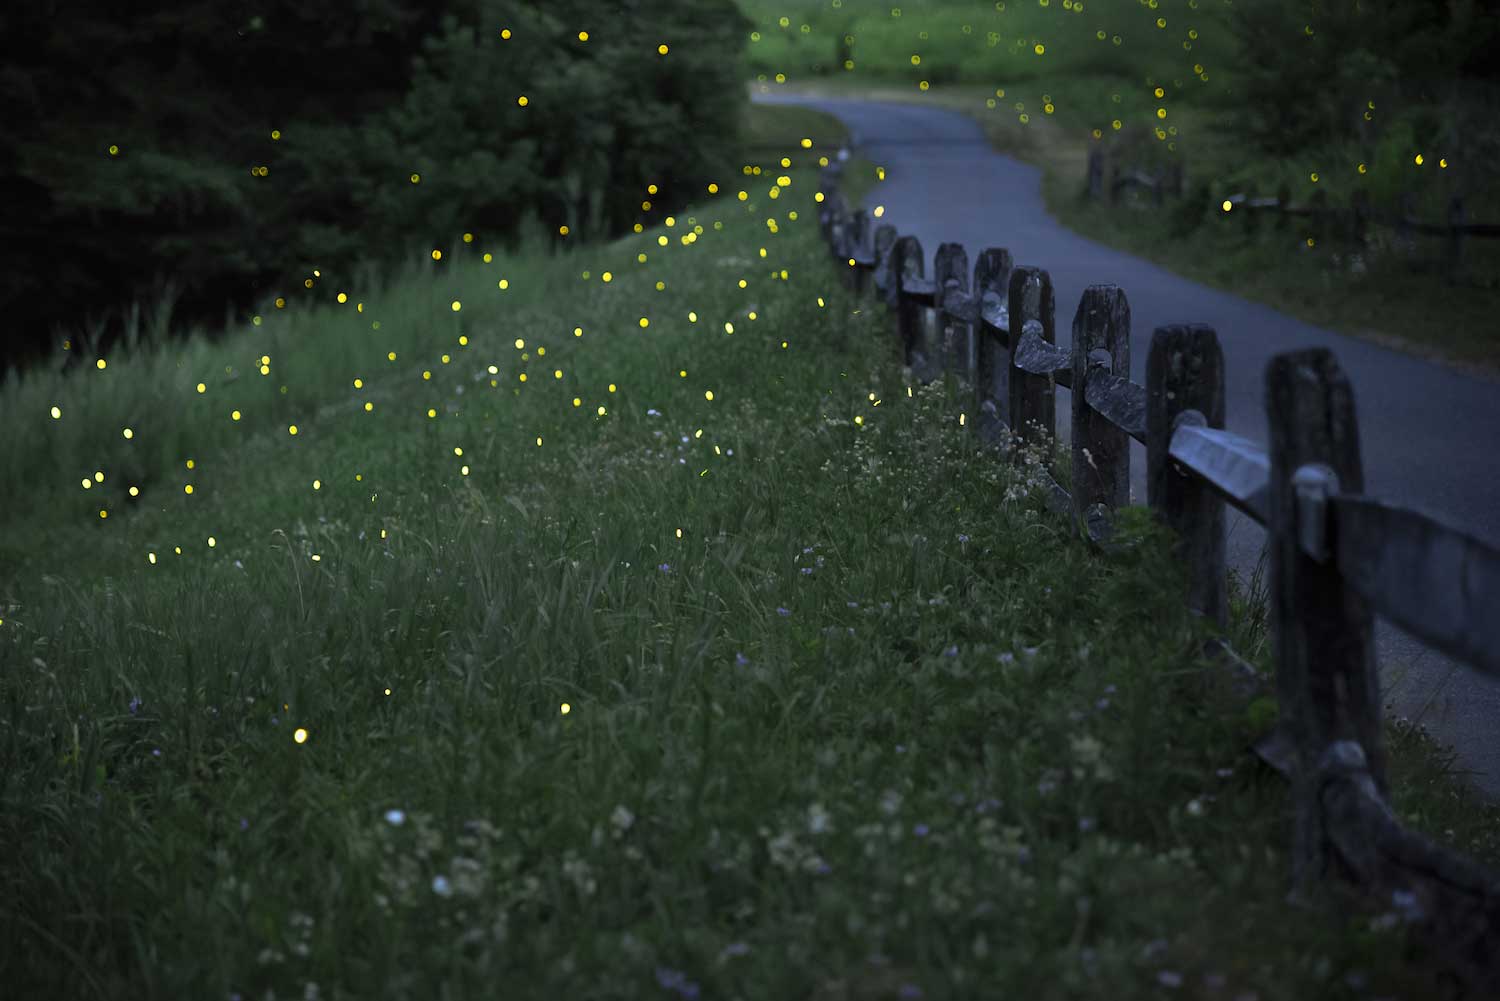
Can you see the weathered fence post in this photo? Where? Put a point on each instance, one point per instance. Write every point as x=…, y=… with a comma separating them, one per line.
x=908, y=263
x=1101, y=451
x=1185, y=384
x=1096, y=174
x=885, y=241
x=950, y=269
x=1326, y=680
x=1456, y=218
x=1405, y=206
x=986, y=349
x=1322, y=223
x=858, y=246
x=1033, y=398
x=838, y=227
x=1359, y=216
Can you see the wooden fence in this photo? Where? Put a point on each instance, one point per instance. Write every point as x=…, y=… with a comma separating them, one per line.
x=1106, y=179
x=1337, y=556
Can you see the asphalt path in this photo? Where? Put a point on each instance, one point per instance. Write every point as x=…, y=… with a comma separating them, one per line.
x=1430, y=435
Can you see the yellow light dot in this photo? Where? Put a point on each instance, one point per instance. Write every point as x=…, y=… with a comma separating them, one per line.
x=234, y=415
x=391, y=356
x=577, y=402
x=708, y=395
x=682, y=373
x=317, y=484
x=457, y=305
x=202, y=388
x=151, y=557
x=522, y=377
x=692, y=317
x=387, y=691
x=1161, y=112
x=359, y=383
x=1419, y=159
x=431, y=413
x=601, y=411
x=300, y=735
x=820, y=302
x=458, y=451
x=661, y=50
x=645, y=323
x=135, y=491
x=369, y=407
x=728, y=328
x=504, y=32
x=187, y=489
x=56, y=414
x=743, y=196
x=1228, y=205
x=103, y=513
x=128, y=433
x=566, y=709
x=583, y=36
x=538, y=441
x=607, y=277
x=446, y=359
x=291, y=429
x=427, y=375
x=1314, y=176
x=212, y=542
x=343, y=297
x=99, y=364
x=464, y=470
x=488, y=258
x=522, y=101
x=468, y=237
x=562, y=230
x=190, y=465
x=818, y=197
x=611, y=387
x=1040, y=48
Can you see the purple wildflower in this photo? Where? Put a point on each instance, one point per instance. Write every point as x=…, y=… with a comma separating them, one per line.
x=783, y=611
x=664, y=567
x=135, y=705
x=741, y=659
x=807, y=570
x=920, y=830
x=952, y=651
x=909, y=992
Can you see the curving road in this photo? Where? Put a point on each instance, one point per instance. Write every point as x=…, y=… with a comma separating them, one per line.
x=1428, y=433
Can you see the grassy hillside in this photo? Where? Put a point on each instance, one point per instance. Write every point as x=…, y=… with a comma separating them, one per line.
x=617, y=624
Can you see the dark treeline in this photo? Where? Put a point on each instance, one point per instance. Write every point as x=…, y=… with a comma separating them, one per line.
x=140, y=167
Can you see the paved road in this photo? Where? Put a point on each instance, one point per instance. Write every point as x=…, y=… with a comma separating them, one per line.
x=1428, y=433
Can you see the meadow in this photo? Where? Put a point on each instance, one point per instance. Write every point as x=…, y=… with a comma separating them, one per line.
x=623, y=623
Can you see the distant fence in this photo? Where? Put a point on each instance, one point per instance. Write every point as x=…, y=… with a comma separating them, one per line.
x=1337, y=556
x=1107, y=178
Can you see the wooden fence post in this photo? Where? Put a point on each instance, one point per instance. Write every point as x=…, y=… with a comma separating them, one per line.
x=1456, y=218
x=986, y=350
x=950, y=269
x=858, y=246
x=885, y=242
x=1101, y=451
x=1033, y=398
x=1326, y=681
x=1096, y=174
x=1185, y=384
x=1359, y=212
x=908, y=263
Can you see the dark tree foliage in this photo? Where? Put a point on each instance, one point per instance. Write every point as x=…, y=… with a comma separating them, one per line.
x=1309, y=67
x=365, y=93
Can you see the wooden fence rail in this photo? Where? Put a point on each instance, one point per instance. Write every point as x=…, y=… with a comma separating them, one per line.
x=1337, y=556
